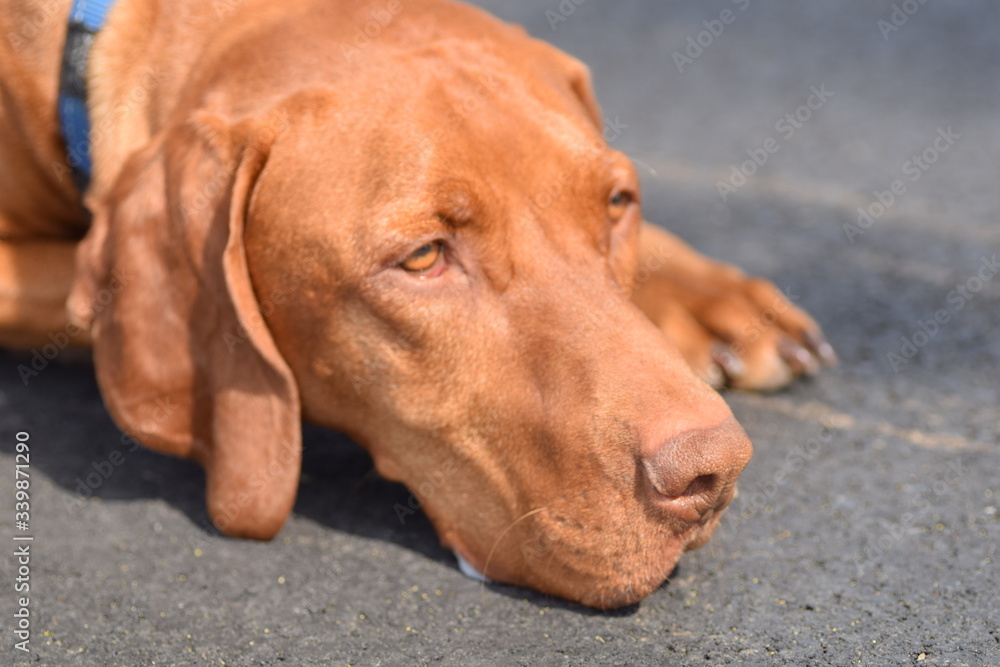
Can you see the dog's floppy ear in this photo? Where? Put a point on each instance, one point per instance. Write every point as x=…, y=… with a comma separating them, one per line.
x=183, y=358
x=582, y=84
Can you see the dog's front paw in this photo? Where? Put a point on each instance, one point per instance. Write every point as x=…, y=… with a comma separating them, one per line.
x=734, y=330
x=737, y=331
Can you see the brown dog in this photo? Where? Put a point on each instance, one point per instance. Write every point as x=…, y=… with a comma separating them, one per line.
x=334, y=209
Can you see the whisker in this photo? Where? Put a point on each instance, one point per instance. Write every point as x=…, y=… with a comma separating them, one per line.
x=486, y=568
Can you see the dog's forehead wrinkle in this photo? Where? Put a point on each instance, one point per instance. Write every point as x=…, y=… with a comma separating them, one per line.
x=459, y=201
x=497, y=112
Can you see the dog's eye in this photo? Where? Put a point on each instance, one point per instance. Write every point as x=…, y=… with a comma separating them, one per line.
x=425, y=259
x=618, y=203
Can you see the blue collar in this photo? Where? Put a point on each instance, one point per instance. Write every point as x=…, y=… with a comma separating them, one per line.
x=85, y=19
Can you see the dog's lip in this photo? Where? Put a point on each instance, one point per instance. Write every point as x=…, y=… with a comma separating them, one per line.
x=702, y=532
x=616, y=590
x=661, y=559
x=693, y=510
x=686, y=508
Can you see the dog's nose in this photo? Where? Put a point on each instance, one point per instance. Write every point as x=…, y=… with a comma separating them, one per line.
x=696, y=471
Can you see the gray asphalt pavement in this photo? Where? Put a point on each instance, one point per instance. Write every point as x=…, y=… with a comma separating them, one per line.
x=866, y=531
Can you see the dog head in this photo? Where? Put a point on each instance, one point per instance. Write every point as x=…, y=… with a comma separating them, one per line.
x=433, y=253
